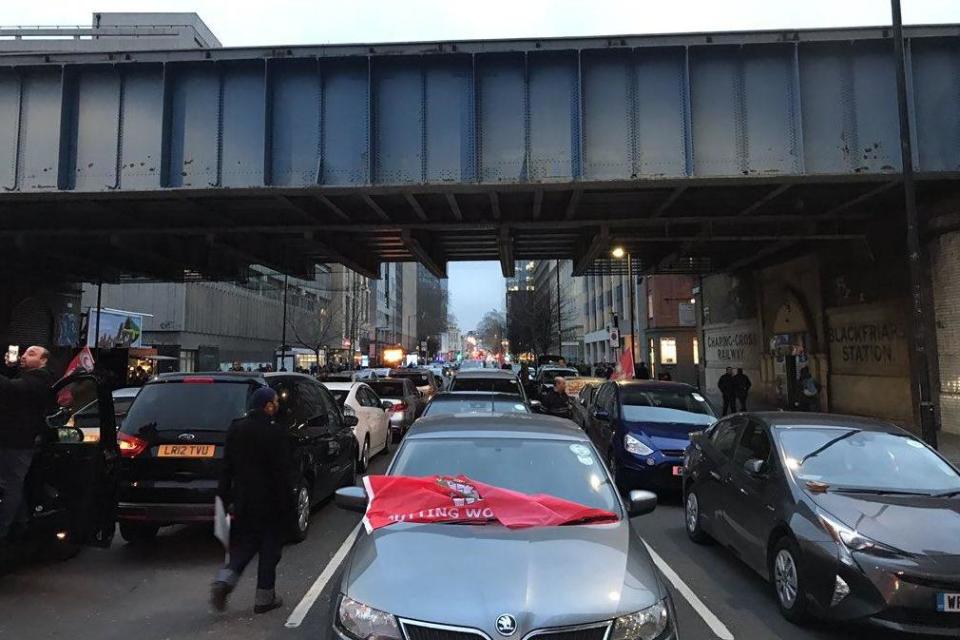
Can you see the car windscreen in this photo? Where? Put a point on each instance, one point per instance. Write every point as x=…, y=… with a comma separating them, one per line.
x=493, y=385
x=560, y=468
x=340, y=395
x=848, y=458
x=418, y=379
x=172, y=406
x=388, y=389
x=636, y=401
x=547, y=376
x=473, y=404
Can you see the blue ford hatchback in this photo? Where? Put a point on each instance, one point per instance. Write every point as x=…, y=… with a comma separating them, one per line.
x=644, y=427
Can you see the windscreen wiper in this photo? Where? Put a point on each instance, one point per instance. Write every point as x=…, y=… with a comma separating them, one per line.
x=880, y=492
x=947, y=494
x=827, y=445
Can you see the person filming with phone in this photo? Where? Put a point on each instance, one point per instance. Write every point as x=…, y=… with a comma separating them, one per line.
x=24, y=401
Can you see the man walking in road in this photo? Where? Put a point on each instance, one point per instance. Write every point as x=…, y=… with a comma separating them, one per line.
x=24, y=404
x=741, y=387
x=728, y=391
x=555, y=401
x=256, y=482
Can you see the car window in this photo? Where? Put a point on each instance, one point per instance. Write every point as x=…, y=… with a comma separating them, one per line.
x=725, y=435
x=178, y=406
x=585, y=395
x=390, y=388
x=288, y=412
x=493, y=385
x=311, y=400
x=754, y=445
x=566, y=469
x=419, y=379
x=330, y=408
x=603, y=396
x=340, y=395
x=636, y=398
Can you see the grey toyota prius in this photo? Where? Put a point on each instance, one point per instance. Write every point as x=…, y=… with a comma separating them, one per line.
x=456, y=580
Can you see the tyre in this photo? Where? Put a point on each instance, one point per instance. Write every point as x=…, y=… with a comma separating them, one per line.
x=386, y=444
x=303, y=512
x=691, y=513
x=787, y=579
x=365, y=454
x=134, y=532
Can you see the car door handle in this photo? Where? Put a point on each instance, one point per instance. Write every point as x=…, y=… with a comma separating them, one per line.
x=715, y=476
x=743, y=491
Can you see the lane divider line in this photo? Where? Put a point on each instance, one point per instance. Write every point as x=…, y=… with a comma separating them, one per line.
x=310, y=597
x=719, y=629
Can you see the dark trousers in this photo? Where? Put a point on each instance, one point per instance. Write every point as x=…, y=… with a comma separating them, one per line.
x=248, y=540
x=14, y=465
x=743, y=402
x=729, y=405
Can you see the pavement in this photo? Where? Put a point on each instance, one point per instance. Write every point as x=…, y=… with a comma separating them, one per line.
x=160, y=591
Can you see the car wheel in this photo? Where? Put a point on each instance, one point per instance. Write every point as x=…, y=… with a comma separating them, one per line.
x=787, y=581
x=303, y=511
x=365, y=454
x=691, y=513
x=386, y=443
x=138, y=532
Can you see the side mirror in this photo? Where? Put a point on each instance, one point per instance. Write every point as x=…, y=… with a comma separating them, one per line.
x=386, y=406
x=640, y=503
x=755, y=467
x=536, y=406
x=350, y=421
x=351, y=499
x=601, y=414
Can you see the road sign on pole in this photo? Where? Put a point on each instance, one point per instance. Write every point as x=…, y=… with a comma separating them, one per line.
x=615, y=337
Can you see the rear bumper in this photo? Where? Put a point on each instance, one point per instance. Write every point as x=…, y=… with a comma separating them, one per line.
x=164, y=513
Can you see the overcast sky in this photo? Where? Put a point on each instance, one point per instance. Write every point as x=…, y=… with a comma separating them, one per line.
x=477, y=288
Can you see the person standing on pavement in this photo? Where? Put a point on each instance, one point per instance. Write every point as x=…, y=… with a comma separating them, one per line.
x=555, y=401
x=741, y=387
x=256, y=487
x=809, y=391
x=642, y=372
x=24, y=404
x=728, y=391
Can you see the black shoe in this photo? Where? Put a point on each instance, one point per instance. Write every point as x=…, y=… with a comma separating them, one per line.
x=264, y=608
x=218, y=595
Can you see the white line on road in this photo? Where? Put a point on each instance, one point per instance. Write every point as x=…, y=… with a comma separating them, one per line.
x=303, y=608
x=719, y=629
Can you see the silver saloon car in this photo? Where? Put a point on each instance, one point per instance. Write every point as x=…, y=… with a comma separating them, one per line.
x=456, y=581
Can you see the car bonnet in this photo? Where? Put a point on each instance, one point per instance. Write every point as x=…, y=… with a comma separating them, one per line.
x=465, y=575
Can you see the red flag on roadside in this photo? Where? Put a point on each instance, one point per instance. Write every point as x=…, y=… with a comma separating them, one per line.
x=624, y=370
x=433, y=499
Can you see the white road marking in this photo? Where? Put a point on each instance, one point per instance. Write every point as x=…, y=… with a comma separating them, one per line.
x=719, y=629
x=310, y=597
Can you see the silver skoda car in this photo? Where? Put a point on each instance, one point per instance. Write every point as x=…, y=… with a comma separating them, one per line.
x=451, y=581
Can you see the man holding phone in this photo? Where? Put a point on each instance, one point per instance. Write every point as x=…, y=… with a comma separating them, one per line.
x=24, y=403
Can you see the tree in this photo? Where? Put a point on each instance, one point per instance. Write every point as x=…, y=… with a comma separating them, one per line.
x=532, y=321
x=318, y=332
x=492, y=330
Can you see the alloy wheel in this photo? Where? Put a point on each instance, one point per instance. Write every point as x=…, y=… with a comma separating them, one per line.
x=693, y=512
x=785, y=578
x=303, y=508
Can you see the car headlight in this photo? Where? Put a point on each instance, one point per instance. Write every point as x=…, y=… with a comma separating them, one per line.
x=634, y=446
x=647, y=624
x=850, y=540
x=362, y=622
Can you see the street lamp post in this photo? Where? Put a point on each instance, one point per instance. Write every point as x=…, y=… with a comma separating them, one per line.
x=619, y=253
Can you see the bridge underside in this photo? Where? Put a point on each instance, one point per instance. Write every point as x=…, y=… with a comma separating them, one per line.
x=669, y=227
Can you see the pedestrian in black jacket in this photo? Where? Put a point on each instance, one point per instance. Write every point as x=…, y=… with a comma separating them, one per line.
x=25, y=401
x=741, y=387
x=728, y=391
x=257, y=487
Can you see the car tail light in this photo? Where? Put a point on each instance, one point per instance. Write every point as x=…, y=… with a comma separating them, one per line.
x=198, y=380
x=399, y=407
x=131, y=446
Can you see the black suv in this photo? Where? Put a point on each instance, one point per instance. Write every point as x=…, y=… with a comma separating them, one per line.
x=173, y=437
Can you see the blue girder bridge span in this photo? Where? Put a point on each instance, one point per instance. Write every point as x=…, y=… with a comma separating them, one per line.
x=699, y=152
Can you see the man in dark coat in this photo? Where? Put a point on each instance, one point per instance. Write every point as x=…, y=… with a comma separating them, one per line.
x=25, y=401
x=257, y=484
x=728, y=391
x=642, y=372
x=556, y=402
x=741, y=387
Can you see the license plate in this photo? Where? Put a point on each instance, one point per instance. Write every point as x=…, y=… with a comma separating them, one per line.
x=678, y=471
x=186, y=451
x=949, y=602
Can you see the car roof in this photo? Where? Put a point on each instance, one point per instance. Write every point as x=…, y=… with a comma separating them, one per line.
x=663, y=385
x=388, y=379
x=814, y=420
x=337, y=385
x=496, y=425
x=126, y=392
x=487, y=373
x=492, y=395
x=232, y=376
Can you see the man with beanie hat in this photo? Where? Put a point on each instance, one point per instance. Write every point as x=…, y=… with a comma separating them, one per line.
x=256, y=483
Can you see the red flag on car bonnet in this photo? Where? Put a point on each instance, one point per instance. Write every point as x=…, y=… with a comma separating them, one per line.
x=434, y=499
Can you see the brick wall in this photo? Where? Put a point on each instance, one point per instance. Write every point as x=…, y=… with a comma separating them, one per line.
x=945, y=266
